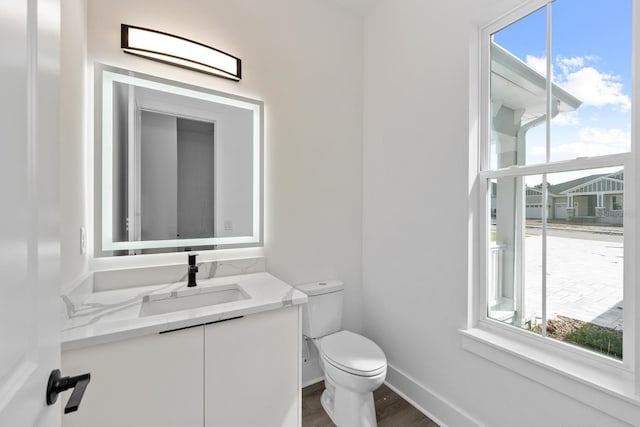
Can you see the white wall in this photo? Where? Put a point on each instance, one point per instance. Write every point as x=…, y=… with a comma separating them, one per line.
x=303, y=58
x=158, y=176
x=415, y=246
x=72, y=137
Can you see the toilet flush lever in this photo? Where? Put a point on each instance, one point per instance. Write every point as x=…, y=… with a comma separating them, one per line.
x=58, y=384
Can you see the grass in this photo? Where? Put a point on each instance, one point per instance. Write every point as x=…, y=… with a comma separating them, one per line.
x=598, y=338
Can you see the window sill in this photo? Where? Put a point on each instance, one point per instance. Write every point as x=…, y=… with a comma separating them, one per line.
x=604, y=385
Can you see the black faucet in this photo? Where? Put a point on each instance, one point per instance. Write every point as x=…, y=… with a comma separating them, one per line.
x=193, y=269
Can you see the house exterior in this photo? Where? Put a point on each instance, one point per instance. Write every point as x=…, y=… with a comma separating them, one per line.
x=591, y=199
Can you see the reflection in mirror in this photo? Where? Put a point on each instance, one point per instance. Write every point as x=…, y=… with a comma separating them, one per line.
x=181, y=166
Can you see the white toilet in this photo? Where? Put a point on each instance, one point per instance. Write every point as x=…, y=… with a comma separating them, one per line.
x=353, y=366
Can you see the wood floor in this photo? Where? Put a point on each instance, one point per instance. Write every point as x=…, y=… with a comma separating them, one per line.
x=391, y=409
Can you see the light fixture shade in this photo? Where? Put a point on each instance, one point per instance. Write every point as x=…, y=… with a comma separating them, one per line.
x=174, y=50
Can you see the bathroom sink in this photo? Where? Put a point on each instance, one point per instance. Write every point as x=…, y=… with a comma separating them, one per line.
x=191, y=298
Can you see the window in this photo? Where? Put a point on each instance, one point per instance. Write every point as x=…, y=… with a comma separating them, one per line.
x=555, y=147
x=552, y=269
x=616, y=203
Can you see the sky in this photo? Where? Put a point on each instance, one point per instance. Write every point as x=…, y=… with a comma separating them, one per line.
x=591, y=59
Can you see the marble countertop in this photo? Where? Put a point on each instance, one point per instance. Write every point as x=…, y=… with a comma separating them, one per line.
x=107, y=316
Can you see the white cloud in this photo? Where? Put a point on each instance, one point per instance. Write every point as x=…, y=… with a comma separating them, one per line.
x=574, y=150
x=595, y=88
x=612, y=137
x=588, y=141
x=538, y=63
x=569, y=118
x=593, y=142
x=571, y=63
x=538, y=152
x=580, y=77
x=592, y=87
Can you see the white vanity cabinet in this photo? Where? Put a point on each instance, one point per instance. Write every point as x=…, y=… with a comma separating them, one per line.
x=252, y=371
x=154, y=380
x=240, y=372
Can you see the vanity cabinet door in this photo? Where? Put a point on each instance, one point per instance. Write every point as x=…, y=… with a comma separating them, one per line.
x=252, y=371
x=152, y=381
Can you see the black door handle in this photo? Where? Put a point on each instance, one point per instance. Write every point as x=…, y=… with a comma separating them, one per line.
x=58, y=384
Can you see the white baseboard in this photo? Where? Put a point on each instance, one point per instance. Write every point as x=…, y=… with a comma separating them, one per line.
x=440, y=410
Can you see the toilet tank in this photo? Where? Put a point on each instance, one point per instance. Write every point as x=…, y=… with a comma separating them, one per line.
x=322, y=315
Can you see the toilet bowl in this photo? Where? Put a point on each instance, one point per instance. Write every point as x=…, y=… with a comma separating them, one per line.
x=353, y=365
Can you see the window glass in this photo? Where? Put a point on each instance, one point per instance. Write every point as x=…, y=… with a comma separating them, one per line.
x=585, y=252
x=554, y=258
x=591, y=84
x=517, y=89
x=572, y=289
x=616, y=203
x=591, y=62
x=514, y=219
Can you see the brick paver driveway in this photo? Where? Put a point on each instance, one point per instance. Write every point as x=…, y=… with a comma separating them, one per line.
x=584, y=278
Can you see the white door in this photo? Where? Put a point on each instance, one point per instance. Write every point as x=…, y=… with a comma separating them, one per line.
x=29, y=244
x=534, y=211
x=561, y=211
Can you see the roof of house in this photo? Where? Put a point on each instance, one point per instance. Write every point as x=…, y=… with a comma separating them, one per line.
x=521, y=88
x=563, y=186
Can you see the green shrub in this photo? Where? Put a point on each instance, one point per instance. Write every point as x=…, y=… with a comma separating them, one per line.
x=604, y=340
x=601, y=339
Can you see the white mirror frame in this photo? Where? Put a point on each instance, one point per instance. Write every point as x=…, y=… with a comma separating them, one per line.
x=255, y=106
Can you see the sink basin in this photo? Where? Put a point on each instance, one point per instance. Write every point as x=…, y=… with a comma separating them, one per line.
x=191, y=298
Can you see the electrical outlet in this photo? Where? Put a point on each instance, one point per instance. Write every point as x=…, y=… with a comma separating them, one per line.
x=228, y=225
x=83, y=240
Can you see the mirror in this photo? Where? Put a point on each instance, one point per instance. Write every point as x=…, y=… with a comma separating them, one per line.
x=181, y=165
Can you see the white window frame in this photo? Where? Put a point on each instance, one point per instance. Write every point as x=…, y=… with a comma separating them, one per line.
x=602, y=382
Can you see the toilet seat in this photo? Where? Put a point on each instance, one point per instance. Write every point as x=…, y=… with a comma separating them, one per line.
x=353, y=353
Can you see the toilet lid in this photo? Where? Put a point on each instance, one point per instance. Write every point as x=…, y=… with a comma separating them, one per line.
x=353, y=353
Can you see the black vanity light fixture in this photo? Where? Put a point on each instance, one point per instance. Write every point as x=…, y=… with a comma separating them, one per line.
x=174, y=50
